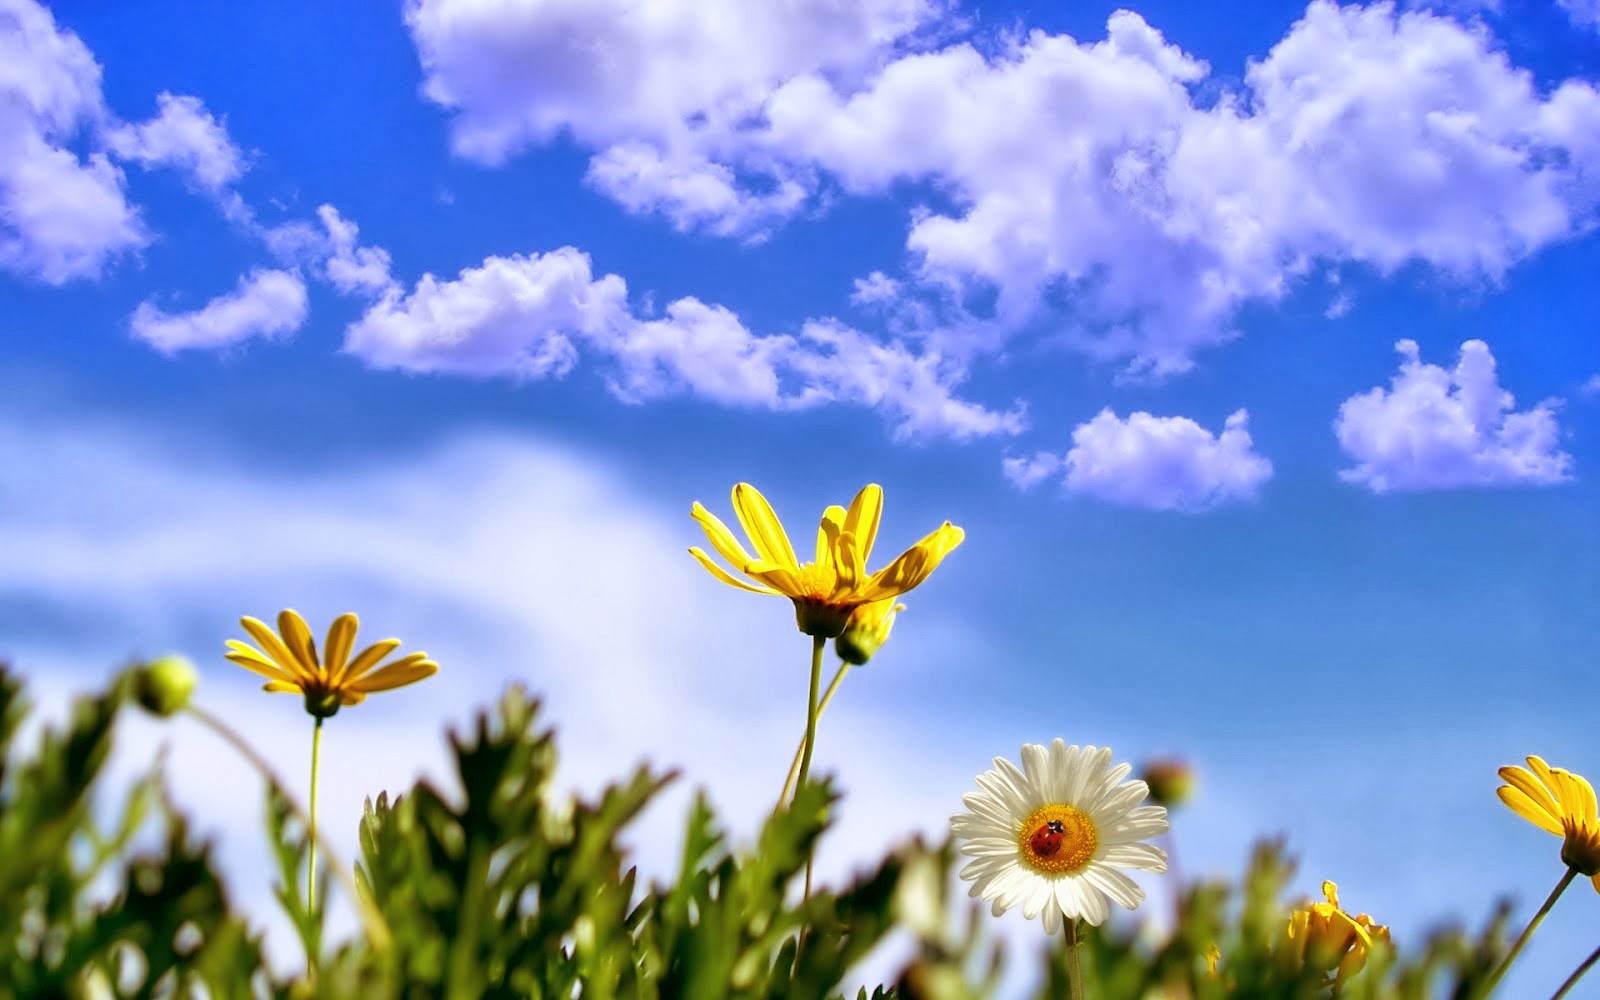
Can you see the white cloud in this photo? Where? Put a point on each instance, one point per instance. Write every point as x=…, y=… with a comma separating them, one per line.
x=184, y=135
x=352, y=268
x=875, y=289
x=1159, y=463
x=513, y=316
x=678, y=81
x=1435, y=428
x=265, y=304
x=533, y=317
x=1591, y=386
x=1584, y=13
x=1366, y=135
x=62, y=215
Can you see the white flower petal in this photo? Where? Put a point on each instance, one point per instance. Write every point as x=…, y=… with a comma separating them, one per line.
x=1114, y=884
x=1143, y=856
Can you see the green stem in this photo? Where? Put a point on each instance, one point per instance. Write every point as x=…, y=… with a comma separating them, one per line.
x=1577, y=974
x=1074, y=968
x=1527, y=932
x=371, y=919
x=311, y=862
x=799, y=751
x=817, y=643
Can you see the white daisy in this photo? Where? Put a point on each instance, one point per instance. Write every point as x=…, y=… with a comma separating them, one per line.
x=1052, y=835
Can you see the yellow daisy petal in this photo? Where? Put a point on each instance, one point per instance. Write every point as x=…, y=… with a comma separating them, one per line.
x=1533, y=788
x=341, y=636
x=763, y=526
x=721, y=538
x=367, y=659
x=297, y=637
x=273, y=646
x=866, y=510
x=249, y=659
x=401, y=672
x=1529, y=809
x=725, y=576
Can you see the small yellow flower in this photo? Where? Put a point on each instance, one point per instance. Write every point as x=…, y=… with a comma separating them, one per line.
x=1331, y=939
x=866, y=631
x=1562, y=803
x=290, y=663
x=1213, y=956
x=826, y=590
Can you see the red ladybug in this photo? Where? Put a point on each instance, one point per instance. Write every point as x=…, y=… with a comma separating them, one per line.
x=1047, y=839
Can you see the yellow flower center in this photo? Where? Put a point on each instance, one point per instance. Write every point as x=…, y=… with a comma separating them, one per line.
x=816, y=583
x=1057, y=840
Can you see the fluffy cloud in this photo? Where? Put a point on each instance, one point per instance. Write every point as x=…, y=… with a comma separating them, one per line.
x=532, y=317
x=1584, y=13
x=265, y=304
x=1435, y=428
x=514, y=316
x=664, y=108
x=1110, y=185
x=64, y=215
x=1160, y=463
x=183, y=135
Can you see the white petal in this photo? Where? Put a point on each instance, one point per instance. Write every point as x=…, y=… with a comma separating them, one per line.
x=1036, y=766
x=1107, y=784
x=1052, y=918
x=982, y=847
x=1114, y=884
x=1119, y=802
x=1143, y=856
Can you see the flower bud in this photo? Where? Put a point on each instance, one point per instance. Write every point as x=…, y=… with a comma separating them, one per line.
x=1171, y=781
x=867, y=629
x=163, y=686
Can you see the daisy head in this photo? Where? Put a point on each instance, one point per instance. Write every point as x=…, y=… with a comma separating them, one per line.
x=1052, y=834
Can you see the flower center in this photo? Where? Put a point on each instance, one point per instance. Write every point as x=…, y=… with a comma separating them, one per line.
x=1057, y=840
x=816, y=583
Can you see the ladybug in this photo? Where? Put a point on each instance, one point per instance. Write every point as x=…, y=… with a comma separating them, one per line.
x=1047, y=839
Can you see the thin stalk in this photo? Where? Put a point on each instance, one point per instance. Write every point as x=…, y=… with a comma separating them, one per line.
x=1074, y=967
x=311, y=862
x=800, y=749
x=377, y=930
x=817, y=643
x=1577, y=974
x=1527, y=932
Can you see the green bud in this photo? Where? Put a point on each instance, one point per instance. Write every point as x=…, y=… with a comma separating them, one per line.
x=1171, y=781
x=163, y=686
x=867, y=630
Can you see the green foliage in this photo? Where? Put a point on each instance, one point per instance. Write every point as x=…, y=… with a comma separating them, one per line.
x=507, y=889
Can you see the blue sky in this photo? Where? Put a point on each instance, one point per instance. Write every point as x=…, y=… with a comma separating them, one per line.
x=1253, y=348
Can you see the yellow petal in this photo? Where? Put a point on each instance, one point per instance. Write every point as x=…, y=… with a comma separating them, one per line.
x=721, y=538
x=763, y=526
x=341, y=636
x=1533, y=789
x=297, y=637
x=274, y=647
x=914, y=565
x=725, y=576
x=828, y=535
x=282, y=687
x=253, y=661
x=1528, y=809
x=780, y=579
x=862, y=521
x=367, y=659
x=850, y=566
x=406, y=670
x=1575, y=795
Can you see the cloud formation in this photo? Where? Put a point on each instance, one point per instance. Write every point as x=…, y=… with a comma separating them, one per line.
x=1436, y=428
x=265, y=304
x=64, y=214
x=1158, y=463
x=532, y=317
x=1111, y=194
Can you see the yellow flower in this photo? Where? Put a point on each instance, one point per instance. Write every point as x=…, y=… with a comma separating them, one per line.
x=866, y=631
x=1562, y=803
x=1329, y=938
x=826, y=590
x=1213, y=956
x=290, y=663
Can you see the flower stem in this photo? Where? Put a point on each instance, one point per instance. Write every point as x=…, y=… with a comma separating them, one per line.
x=1527, y=932
x=1577, y=974
x=799, y=751
x=311, y=861
x=1074, y=968
x=371, y=919
x=811, y=711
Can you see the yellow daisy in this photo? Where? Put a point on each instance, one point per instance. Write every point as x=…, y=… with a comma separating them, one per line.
x=290, y=663
x=826, y=590
x=1562, y=803
x=1331, y=939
